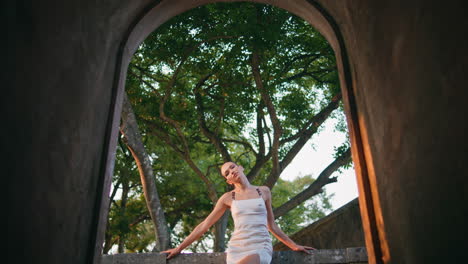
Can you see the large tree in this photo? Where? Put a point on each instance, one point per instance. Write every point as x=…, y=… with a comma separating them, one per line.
x=236, y=82
x=131, y=136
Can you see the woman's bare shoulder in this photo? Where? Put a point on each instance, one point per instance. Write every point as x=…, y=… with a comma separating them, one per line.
x=226, y=195
x=265, y=191
x=264, y=188
x=226, y=198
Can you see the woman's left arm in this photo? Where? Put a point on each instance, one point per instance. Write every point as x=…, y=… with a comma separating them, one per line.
x=274, y=228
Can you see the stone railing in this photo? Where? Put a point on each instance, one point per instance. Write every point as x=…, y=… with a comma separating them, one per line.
x=329, y=256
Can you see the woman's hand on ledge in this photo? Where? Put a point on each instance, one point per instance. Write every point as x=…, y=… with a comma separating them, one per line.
x=307, y=250
x=172, y=252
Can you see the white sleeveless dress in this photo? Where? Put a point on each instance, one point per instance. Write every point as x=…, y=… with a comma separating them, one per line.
x=250, y=234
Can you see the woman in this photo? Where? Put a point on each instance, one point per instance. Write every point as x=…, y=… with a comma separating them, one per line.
x=253, y=218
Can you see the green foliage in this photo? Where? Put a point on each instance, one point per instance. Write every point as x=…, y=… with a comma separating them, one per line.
x=217, y=41
x=305, y=213
x=198, y=67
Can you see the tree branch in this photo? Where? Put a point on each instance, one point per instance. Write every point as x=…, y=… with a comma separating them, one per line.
x=139, y=219
x=114, y=192
x=277, y=130
x=267, y=131
x=243, y=143
x=146, y=73
x=185, y=155
x=132, y=138
x=259, y=162
x=308, y=130
x=147, y=83
x=169, y=88
x=260, y=158
x=316, y=186
x=260, y=132
x=164, y=135
x=300, y=57
x=215, y=139
x=303, y=73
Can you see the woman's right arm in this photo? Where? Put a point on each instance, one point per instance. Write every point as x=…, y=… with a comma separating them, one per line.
x=217, y=212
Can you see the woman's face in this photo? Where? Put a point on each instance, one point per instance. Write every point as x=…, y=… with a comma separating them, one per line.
x=231, y=172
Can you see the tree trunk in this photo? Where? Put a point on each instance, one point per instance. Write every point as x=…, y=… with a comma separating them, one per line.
x=220, y=233
x=107, y=241
x=109, y=238
x=132, y=138
x=123, y=209
x=121, y=247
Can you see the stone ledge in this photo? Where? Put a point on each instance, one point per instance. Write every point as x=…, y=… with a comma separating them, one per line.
x=325, y=256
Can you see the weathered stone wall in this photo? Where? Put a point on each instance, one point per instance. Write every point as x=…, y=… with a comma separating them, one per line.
x=60, y=109
x=340, y=229
x=409, y=66
x=348, y=256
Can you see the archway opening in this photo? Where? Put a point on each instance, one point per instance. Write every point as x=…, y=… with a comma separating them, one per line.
x=143, y=28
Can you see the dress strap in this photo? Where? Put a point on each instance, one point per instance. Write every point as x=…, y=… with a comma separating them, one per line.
x=259, y=192
x=234, y=193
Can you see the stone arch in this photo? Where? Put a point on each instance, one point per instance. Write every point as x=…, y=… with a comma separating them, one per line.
x=319, y=18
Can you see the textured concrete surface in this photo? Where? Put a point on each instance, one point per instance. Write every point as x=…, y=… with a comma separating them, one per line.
x=409, y=66
x=329, y=256
x=340, y=229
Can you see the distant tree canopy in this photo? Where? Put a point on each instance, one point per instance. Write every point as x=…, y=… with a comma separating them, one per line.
x=238, y=82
